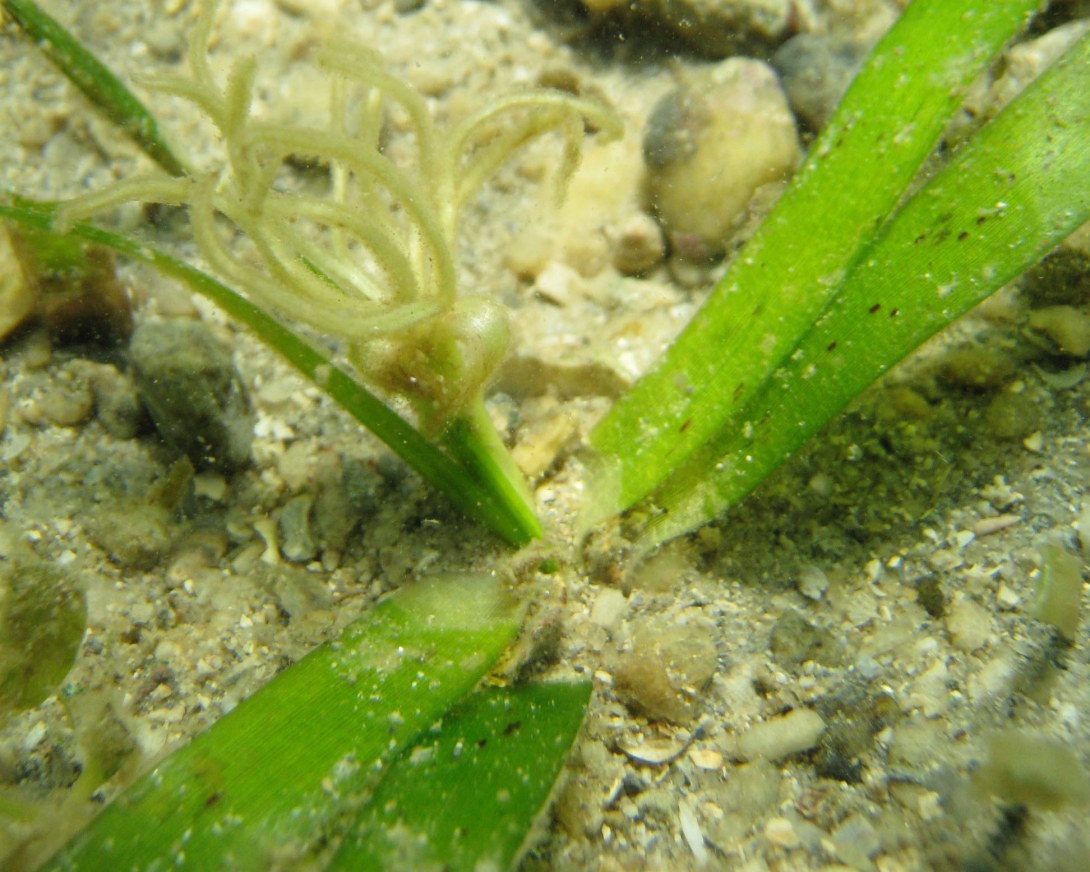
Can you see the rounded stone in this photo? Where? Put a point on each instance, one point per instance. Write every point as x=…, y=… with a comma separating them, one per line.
x=709, y=146
x=189, y=384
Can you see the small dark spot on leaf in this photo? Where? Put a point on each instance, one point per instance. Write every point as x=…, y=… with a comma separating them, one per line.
x=765, y=418
x=893, y=313
x=981, y=219
x=738, y=391
x=919, y=239
x=512, y=727
x=482, y=742
x=963, y=235
x=213, y=799
x=831, y=346
x=874, y=308
x=688, y=423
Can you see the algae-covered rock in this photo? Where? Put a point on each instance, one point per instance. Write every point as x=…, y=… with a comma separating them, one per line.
x=795, y=640
x=190, y=386
x=17, y=298
x=709, y=146
x=42, y=620
x=1033, y=770
x=716, y=28
x=134, y=535
x=70, y=287
x=1011, y=416
x=665, y=673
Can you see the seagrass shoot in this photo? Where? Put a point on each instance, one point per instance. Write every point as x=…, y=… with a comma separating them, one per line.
x=857, y=265
x=369, y=263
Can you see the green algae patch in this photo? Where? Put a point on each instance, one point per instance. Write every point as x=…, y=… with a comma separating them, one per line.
x=272, y=782
x=467, y=795
x=42, y=621
x=1034, y=770
x=1059, y=592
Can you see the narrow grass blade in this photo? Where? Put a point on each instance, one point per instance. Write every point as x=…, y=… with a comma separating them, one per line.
x=856, y=173
x=465, y=798
x=98, y=84
x=1007, y=198
x=272, y=781
x=503, y=511
x=472, y=440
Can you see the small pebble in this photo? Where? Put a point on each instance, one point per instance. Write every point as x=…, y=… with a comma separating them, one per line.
x=609, y=607
x=969, y=625
x=813, y=582
x=1035, y=442
x=638, y=245
x=779, y=831
x=1066, y=327
x=1006, y=598
x=776, y=738
x=988, y=526
x=17, y=296
x=816, y=70
x=707, y=759
x=297, y=541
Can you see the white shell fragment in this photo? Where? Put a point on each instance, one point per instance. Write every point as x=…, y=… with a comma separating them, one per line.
x=690, y=828
x=654, y=753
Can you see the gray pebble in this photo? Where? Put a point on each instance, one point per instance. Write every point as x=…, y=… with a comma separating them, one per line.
x=298, y=543
x=190, y=386
x=816, y=71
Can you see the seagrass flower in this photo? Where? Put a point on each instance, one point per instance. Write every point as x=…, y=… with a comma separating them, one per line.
x=371, y=262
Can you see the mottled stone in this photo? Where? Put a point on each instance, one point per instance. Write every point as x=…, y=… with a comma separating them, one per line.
x=664, y=674
x=709, y=146
x=190, y=386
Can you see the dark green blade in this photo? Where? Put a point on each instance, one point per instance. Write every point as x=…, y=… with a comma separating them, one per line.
x=97, y=83
x=465, y=798
x=279, y=775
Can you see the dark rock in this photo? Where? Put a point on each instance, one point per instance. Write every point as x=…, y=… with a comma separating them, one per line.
x=816, y=70
x=190, y=386
x=929, y=594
